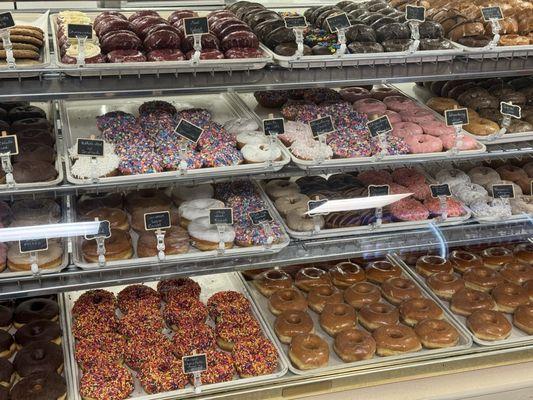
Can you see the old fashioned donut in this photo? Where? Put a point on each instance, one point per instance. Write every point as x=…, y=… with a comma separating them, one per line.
x=398, y=290
x=337, y=317
x=272, y=280
x=380, y=271
x=524, y=252
x=481, y=127
x=287, y=300
x=414, y=311
x=466, y=301
x=319, y=296
x=463, y=260
x=277, y=188
x=286, y=204
x=309, y=351
x=345, y=274
x=310, y=277
x=441, y=104
x=362, y=293
x=431, y=264
x=291, y=323
x=517, y=272
x=354, y=345
x=436, y=334
x=395, y=339
x=374, y=315
x=496, y=257
x=508, y=296
x=445, y=284
x=482, y=278
x=523, y=318
x=489, y=325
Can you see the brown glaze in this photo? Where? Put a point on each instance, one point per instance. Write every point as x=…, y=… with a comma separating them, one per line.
x=436, y=333
x=415, y=310
x=482, y=278
x=395, y=339
x=361, y=294
x=291, y=323
x=287, y=299
x=489, y=325
x=445, y=284
x=319, y=296
x=309, y=351
x=345, y=274
x=496, y=257
x=309, y=277
x=337, y=317
x=466, y=301
x=462, y=260
x=374, y=315
x=428, y=265
x=397, y=290
x=354, y=345
x=380, y=271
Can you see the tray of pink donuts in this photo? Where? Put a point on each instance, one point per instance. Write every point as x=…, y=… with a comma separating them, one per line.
x=352, y=314
x=488, y=288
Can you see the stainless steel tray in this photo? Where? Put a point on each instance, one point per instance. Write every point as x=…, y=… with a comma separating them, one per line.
x=78, y=120
x=248, y=101
x=335, y=363
x=40, y=20
x=481, y=53
x=210, y=284
x=192, y=255
x=149, y=67
x=517, y=336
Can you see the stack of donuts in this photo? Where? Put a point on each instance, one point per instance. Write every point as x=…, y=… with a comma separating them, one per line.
x=147, y=36
x=488, y=285
x=189, y=210
x=36, y=159
x=145, y=339
x=31, y=356
x=291, y=198
x=359, y=308
x=482, y=98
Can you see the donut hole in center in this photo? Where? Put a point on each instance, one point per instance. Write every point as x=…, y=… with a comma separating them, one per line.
x=383, y=265
x=36, y=330
x=402, y=285
x=396, y=335
x=287, y=296
x=275, y=275
x=363, y=289
x=294, y=319
x=310, y=345
x=37, y=306
x=447, y=278
x=340, y=311
x=39, y=354
x=435, y=260
x=498, y=252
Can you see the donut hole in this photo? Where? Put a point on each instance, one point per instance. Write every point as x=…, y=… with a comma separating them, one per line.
x=339, y=311
x=447, y=278
x=439, y=328
x=401, y=284
x=325, y=291
x=37, y=306
x=287, y=296
x=483, y=273
x=313, y=273
x=348, y=268
x=38, y=354
x=464, y=256
x=363, y=289
x=352, y=342
x=498, y=251
x=380, y=309
x=36, y=330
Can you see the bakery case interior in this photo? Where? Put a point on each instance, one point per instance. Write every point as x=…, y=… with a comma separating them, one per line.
x=273, y=199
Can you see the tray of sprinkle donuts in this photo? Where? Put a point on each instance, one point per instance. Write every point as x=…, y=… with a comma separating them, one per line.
x=488, y=288
x=190, y=237
x=32, y=350
x=129, y=341
x=352, y=314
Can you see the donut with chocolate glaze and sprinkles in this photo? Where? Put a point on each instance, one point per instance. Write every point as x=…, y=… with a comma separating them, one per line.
x=184, y=311
x=235, y=328
x=227, y=302
x=93, y=300
x=94, y=324
x=255, y=356
x=138, y=296
x=106, y=381
x=190, y=338
x=185, y=287
x=94, y=350
x=144, y=348
x=219, y=367
x=162, y=375
x=140, y=321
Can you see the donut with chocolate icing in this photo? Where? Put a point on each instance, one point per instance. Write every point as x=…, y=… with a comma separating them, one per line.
x=38, y=330
x=7, y=344
x=40, y=385
x=7, y=374
x=35, y=309
x=39, y=356
x=6, y=317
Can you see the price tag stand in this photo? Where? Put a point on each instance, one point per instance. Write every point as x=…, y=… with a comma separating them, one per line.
x=272, y=134
x=8, y=47
x=493, y=15
x=80, y=32
x=104, y=232
x=320, y=127
x=197, y=46
x=221, y=217
x=508, y=111
x=311, y=205
x=415, y=36
x=9, y=147
x=442, y=192
x=380, y=127
x=341, y=38
x=196, y=27
x=160, y=237
x=158, y=222
x=263, y=218
x=298, y=25
x=456, y=118
x=8, y=169
x=192, y=133
x=378, y=190
x=501, y=194
x=339, y=23
x=414, y=16
x=32, y=246
x=195, y=364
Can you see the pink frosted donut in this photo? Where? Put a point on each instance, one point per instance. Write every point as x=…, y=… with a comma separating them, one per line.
x=420, y=190
x=379, y=177
x=409, y=209
x=407, y=176
x=455, y=209
x=405, y=129
x=418, y=115
x=394, y=117
x=369, y=106
x=469, y=143
x=400, y=103
x=423, y=144
x=398, y=189
x=436, y=128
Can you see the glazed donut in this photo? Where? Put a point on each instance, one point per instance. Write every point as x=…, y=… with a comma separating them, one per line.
x=398, y=290
x=35, y=309
x=445, y=284
x=395, y=339
x=117, y=247
x=206, y=237
x=272, y=280
x=176, y=242
x=319, y=296
x=524, y=252
x=423, y=144
x=362, y=293
x=463, y=260
x=47, y=259
x=380, y=271
x=309, y=351
x=441, y=104
x=291, y=323
x=482, y=278
x=118, y=219
x=146, y=198
x=6, y=317
x=310, y=277
x=198, y=208
x=374, y=315
x=354, y=345
x=489, y=325
x=513, y=40
x=414, y=311
x=496, y=257
x=466, y=301
x=337, y=317
x=287, y=300
x=436, y=334
x=109, y=380
x=482, y=127
x=523, y=318
x=345, y=274
x=428, y=265
x=277, y=188
x=508, y=296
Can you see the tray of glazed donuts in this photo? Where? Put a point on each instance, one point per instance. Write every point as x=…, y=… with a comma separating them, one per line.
x=290, y=200
x=418, y=132
x=190, y=236
x=488, y=288
x=140, y=138
x=150, y=41
x=32, y=350
x=37, y=163
x=341, y=315
x=128, y=341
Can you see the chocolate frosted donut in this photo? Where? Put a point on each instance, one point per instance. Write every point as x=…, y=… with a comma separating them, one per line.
x=33, y=171
x=39, y=356
x=474, y=41
x=430, y=30
x=7, y=344
x=289, y=49
x=35, y=309
x=365, y=47
x=271, y=98
x=40, y=386
x=38, y=330
x=6, y=373
x=9, y=105
x=41, y=136
x=393, y=45
x=396, y=30
x=4, y=393
x=6, y=317
x=360, y=33
x=30, y=124
x=23, y=112
x=35, y=152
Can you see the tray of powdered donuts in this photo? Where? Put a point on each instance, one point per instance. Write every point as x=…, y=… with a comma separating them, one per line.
x=190, y=235
x=352, y=314
x=128, y=341
x=140, y=138
x=487, y=287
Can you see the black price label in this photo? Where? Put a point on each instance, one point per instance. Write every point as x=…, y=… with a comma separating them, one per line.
x=31, y=245
x=219, y=216
x=104, y=230
x=194, y=363
x=195, y=26
x=274, y=126
x=458, y=116
x=322, y=126
x=413, y=13
x=259, y=217
x=503, y=191
x=511, y=110
x=9, y=145
x=312, y=204
x=440, y=190
x=90, y=147
x=6, y=20
x=295, y=22
x=492, y=13
x=379, y=125
x=378, y=190
x=338, y=22
x=79, y=30
x=189, y=131
x=157, y=220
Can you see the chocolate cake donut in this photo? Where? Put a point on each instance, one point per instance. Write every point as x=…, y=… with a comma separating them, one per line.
x=40, y=386
x=38, y=330
x=39, y=356
x=35, y=309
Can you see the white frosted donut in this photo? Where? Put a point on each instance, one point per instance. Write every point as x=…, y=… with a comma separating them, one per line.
x=311, y=150
x=298, y=220
x=239, y=125
x=498, y=210
x=206, y=236
x=529, y=169
x=452, y=176
x=83, y=167
x=288, y=203
x=258, y=153
x=484, y=176
x=198, y=208
x=470, y=193
x=245, y=138
x=522, y=205
x=181, y=193
x=277, y=188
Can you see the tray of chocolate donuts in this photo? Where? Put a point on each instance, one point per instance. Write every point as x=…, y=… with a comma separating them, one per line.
x=154, y=41
x=190, y=237
x=37, y=163
x=33, y=350
x=418, y=132
x=140, y=138
x=352, y=314
x=488, y=288
x=129, y=341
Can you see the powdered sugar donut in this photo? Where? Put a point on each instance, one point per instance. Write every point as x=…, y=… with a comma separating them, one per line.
x=496, y=210
x=484, y=176
x=454, y=208
x=206, y=236
x=436, y=128
x=259, y=153
x=399, y=103
x=192, y=209
x=245, y=138
x=107, y=165
x=467, y=143
x=408, y=176
x=238, y=125
x=470, y=193
x=409, y=209
x=423, y=144
x=452, y=176
x=312, y=150
x=405, y=129
x=369, y=106
x=417, y=115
